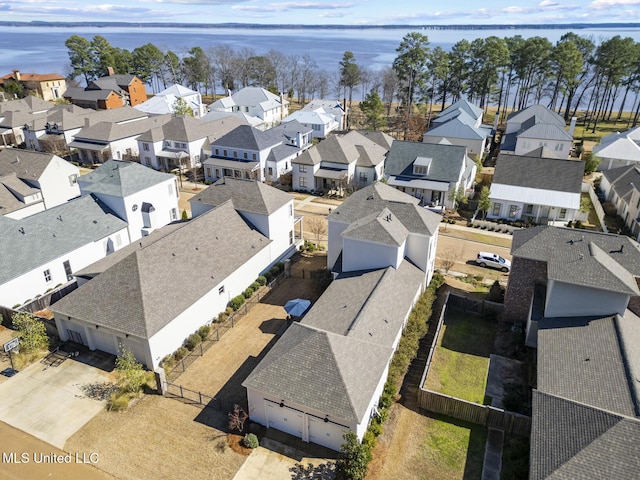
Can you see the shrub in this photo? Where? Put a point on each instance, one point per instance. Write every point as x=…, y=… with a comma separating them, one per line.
x=118, y=401
x=578, y=224
x=248, y=293
x=32, y=332
x=131, y=375
x=184, y=215
x=16, y=306
x=496, y=292
x=268, y=276
x=275, y=271
x=261, y=280
x=354, y=458
x=192, y=341
x=280, y=266
x=369, y=439
x=254, y=286
x=229, y=311
x=236, y=302
x=204, y=331
x=375, y=427
x=251, y=441
x=475, y=225
x=311, y=247
x=180, y=353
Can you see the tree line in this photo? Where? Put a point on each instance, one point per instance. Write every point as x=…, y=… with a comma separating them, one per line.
x=576, y=73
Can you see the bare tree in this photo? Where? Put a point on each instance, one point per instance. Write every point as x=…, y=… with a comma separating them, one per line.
x=237, y=418
x=449, y=258
x=318, y=227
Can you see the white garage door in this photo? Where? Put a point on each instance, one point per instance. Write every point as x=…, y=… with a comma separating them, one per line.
x=104, y=341
x=284, y=419
x=327, y=434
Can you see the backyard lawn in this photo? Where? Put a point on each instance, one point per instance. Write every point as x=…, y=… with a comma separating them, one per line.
x=461, y=361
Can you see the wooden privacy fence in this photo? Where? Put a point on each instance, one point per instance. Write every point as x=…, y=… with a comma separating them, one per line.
x=474, y=306
x=486, y=415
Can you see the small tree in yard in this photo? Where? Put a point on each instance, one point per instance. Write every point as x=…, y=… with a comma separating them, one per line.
x=131, y=375
x=32, y=332
x=354, y=459
x=318, y=227
x=484, y=203
x=449, y=258
x=457, y=196
x=591, y=163
x=237, y=418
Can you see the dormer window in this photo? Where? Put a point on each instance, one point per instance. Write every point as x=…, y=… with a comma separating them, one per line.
x=422, y=165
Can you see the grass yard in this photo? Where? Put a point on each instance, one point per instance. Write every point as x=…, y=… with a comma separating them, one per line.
x=476, y=236
x=461, y=361
x=421, y=446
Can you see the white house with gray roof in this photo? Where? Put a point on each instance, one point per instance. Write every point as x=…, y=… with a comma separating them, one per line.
x=429, y=171
x=580, y=289
x=255, y=101
x=13, y=116
x=534, y=127
x=265, y=208
x=32, y=181
x=621, y=187
x=153, y=294
x=618, y=149
x=537, y=189
x=249, y=153
x=322, y=116
x=43, y=251
x=326, y=374
x=165, y=101
x=142, y=197
x=339, y=161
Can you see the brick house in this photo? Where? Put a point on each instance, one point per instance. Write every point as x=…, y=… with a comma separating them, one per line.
x=48, y=86
x=110, y=91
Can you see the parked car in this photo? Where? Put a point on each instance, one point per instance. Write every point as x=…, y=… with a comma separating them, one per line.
x=486, y=259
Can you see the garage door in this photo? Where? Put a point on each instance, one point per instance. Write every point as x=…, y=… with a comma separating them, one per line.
x=285, y=419
x=327, y=434
x=104, y=341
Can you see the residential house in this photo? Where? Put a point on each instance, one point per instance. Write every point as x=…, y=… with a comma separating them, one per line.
x=265, y=208
x=97, y=143
x=536, y=189
x=247, y=152
x=153, y=294
x=54, y=131
x=110, y=91
x=326, y=373
x=32, y=181
x=429, y=171
x=241, y=118
x=620, y=186
x=322, y=116
x=142, y=197
x=13, y=116
x=255, y=101
x=42, y=251
x=176, y=143
x=578, y=292
x=534, y=127
x=461, y=124
x=619, y=149
x=337, y=162
x=48, y=86
x=165, y=101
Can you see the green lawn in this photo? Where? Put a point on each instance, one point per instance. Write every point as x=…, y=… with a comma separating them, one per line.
x=454, y=450
x=461, y=361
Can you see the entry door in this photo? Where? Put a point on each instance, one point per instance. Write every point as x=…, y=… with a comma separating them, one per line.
x=75, y=337
x=67, y=269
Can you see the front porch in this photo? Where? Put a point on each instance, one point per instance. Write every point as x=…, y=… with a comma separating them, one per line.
x=327, y=180
x=216, y=168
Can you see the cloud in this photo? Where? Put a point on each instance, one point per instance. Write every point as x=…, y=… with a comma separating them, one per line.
x=604, y=4
x=284, y=6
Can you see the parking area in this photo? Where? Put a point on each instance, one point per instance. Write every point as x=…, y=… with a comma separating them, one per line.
x=52, y=400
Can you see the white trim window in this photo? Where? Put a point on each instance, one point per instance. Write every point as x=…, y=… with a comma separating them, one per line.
x=47, y=275
x=496, y=209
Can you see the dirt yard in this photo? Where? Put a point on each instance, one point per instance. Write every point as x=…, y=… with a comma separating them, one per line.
x=159, y=438
x=310, y=208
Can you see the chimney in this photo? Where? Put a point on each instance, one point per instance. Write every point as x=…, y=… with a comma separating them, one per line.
x=87, y=122
x=572, y=125
x=16, y=74
x=110, y=71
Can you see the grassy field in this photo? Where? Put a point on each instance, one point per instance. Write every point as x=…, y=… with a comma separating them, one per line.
x=461, y=360
x=476, y=236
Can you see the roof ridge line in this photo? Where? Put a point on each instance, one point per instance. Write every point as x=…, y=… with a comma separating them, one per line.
x=371, y=292
x=344, y=384
x=633, y=390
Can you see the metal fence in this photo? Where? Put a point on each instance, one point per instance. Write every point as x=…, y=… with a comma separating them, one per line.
x=192, y=396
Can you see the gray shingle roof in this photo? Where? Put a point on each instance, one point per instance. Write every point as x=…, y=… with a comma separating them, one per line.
x=543, y=114
x=378, y=227
x=546, y=131
x=542, y=173
x=345, y=150
x=330, y=373
x=53, y=233
x=26, y=164
x=448, y=160
x=158, y=281
x=377, y=197
x=178, y=128
x=8, y=201
x=107, y=131
x=593, y=366
x=121, y=178
x=381, y=138
x=570, y=441
x=472, y=110
x=246, y=195
x=457, y=128
x=624, y=180
x=28, y=104
x=571, y=258
x=248, y=138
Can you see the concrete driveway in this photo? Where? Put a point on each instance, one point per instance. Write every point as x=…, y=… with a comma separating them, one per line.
x=50, y=401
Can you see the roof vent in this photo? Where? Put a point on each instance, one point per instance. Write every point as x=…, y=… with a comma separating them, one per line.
x=582, y=256
x=21, y=230
x=59, y=217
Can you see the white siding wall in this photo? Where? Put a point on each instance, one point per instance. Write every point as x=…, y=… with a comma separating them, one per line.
x=26, y=211
x=335, y=241
x=558, y=148
x=361, y=255
x=308, y=175
x=199, y=208
x=33, y=283
x=565, y=300
x=474, y=147
x=119, y=147
x=55, y=184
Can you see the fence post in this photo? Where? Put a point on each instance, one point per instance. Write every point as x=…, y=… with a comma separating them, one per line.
x=181, y=393
x=182, y=362
x=200, y=349
x=232, y=321
x=218, y=334
x=200, y=397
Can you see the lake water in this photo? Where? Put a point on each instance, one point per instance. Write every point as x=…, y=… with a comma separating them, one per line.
x=42, y=49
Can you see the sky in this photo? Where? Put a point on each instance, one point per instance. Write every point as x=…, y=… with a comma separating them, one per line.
x=349, y=12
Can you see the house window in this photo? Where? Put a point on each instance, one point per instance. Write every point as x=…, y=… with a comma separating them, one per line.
x=253, y=156
x=67, y=269
x=291, y=237
x=183, y=145
x=170, y=188
x=145, y=147
x=147, y=161
x=217, y=173
x=224, y=153
x=73, y=179
x=217, y=152
x=270, y=171
x=174, y=214
x=196, y=158
x=47, y=275
x=420, y=169
x=302, y=168
x=563, y=213
x=513, y=211
x=496, y=209
x=235, y=154
x=302, y=181
x=291, y=210
x=246, y=156
x=208, y=172
x=559, y=147
x=221, y=290
x=363, y=177
x=529, y=210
